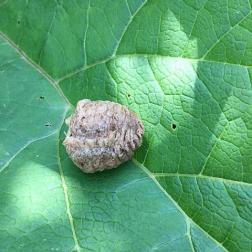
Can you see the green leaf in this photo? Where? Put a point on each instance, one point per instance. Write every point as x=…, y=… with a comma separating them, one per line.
x=185, y=67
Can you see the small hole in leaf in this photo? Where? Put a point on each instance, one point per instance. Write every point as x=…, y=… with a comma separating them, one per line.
x=48, y=124
x=41, y=97
x=129, y=95
x=173, y=126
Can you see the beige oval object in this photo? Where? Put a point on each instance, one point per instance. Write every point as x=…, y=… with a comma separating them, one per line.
x=102, y=135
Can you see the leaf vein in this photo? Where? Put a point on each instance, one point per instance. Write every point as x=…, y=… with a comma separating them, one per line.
x=35, y=66
x=67, y=202
x=85, y=34
x=187, y=218
x=127, y=26
x=224, y=34
x=198, y=176
x=23, y=148
x=104, y=61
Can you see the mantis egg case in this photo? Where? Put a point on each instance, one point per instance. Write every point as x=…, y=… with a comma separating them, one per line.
x=102, y=135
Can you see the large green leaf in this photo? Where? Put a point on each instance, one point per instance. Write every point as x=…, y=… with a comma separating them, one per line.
x=185, y=67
